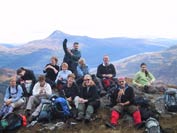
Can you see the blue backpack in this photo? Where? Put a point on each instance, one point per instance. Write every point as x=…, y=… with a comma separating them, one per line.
x=54, y=108
x=61, y=105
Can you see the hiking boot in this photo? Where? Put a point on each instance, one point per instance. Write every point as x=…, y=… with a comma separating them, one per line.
x=110, y=125
x=139, y=125
x=31, y=118
x=27, y=113
x=86, y=120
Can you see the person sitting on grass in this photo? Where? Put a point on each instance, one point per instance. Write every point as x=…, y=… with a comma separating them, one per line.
x=124, y=102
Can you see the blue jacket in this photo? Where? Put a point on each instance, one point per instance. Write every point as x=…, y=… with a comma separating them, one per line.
x=81, y=71
x=14, y=94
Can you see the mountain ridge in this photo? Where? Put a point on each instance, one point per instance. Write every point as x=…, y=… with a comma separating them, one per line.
x=92, y=50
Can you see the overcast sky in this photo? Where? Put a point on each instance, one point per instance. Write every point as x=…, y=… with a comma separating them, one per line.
x=26, y=20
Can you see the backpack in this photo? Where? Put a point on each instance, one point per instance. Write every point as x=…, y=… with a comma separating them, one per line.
x=56, y=107
x=45, y=114
x=141, y=101
x=170, y=98
x=152, y=126
x=144, y=107
x=61, y=106
x=106, y=82
x=12, y=121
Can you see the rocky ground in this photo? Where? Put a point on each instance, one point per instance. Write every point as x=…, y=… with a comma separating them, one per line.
x=168, y=122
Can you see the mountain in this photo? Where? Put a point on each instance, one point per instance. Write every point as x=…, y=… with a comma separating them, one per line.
x=162, y=64
x=36, y=54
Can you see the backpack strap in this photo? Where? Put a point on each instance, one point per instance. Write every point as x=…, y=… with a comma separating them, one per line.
x=16, y=87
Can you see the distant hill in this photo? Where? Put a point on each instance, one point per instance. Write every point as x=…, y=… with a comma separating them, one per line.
x=162, y=64
x=36, y=54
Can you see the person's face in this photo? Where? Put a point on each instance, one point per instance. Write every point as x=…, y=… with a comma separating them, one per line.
x=76, y=46
x=13, y=82
x=70, y=80
x=53, y=61
x=42, y=83
x=81, y=62
x=106, y=59
x=64, y=68
x=22, y=73
x=121, y=83
x=143, y=68
x=87, y=81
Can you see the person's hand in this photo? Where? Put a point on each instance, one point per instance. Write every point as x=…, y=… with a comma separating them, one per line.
x=69, y=99
x=22, y=82
x=65, y=41
x=104, y=75
x=49, y=66
x=7, y=102
x=42, y=92
x=109, y=75
x=81, y=100
x=139, y=85
x=69, y=51
x=85, y=100
x=122, y=104
x=121, y=92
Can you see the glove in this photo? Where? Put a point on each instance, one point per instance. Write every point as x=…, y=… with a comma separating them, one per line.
x=65, y=41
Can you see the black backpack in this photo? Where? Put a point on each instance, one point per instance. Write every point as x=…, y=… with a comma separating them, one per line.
x=12, y=121
x=170, y=98
x=144, y=107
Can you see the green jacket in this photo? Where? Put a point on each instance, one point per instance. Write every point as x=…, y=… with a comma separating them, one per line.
x=141, y=79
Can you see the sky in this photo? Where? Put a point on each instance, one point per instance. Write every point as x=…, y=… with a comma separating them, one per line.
x=22, y=21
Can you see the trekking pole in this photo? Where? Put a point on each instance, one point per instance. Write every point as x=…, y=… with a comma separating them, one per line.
x=66, y=100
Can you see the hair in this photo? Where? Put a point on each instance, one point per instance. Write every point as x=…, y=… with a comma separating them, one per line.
x=55, y=58
x=76, y=43
x=92, y=83
x=41, y=78
x=82, y=61
x=142, y=64
x=64, y=64
x=71, y=75
x=146, y=72
x=20, y=70
x=12, y=78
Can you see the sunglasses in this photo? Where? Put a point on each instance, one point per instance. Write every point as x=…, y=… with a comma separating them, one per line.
x=121, y=81
x=86, y=79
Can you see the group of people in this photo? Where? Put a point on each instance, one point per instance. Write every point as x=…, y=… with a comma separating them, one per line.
x=74, y=82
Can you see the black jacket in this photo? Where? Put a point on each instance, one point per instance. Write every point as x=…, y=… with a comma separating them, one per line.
x=110, y=69
x=29, y=75
x=91, y=95
x=128, y=96
x=50, y=74
x=67, y=92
